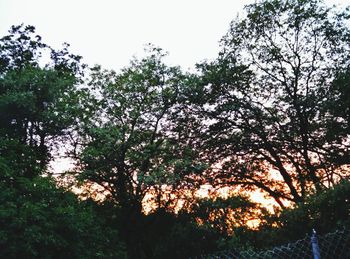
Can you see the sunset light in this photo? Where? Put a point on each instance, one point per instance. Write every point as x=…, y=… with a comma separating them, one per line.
x=151, y=129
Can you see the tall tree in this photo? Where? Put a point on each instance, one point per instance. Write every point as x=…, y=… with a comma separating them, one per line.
x=38, y=102
x=263, y=98
x=38, y=105
x=133, y=144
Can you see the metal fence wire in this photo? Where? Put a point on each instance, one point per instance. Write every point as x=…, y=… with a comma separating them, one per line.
x=328, y=246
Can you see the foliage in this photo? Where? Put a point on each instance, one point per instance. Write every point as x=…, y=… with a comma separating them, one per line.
x=265, y=98
x=38, y=104
x=270, y=113
x=324, y=212
x=134, y=144
x=226, y=215
x=39, y=220
x=166, y=235
x=339, y=107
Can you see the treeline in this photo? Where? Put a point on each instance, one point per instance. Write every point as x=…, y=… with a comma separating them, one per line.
x=271, y=113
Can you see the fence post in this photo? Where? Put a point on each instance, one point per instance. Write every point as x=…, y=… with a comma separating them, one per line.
x=314, y=244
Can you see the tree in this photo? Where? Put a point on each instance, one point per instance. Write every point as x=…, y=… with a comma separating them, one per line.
x=38, y=103
x=263, y=99
x=133, y=144
x=325, y=212
x=39, y=220
x=339, y=105
x=37, y=107
x=226, y=215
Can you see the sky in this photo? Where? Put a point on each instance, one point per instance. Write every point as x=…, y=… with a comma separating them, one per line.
x=110, y=32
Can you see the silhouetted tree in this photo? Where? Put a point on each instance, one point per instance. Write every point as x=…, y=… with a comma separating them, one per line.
x=263, y=99
x=38, y=104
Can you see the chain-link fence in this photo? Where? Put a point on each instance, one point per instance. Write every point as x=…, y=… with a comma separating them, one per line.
x=329, y=246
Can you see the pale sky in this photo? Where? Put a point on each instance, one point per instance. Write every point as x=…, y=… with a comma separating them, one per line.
x=110, y=32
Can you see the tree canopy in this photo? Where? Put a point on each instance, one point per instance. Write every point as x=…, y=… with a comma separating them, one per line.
x=37, y=105
x=136, y=143
x=266, y=97
x=178, y=155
